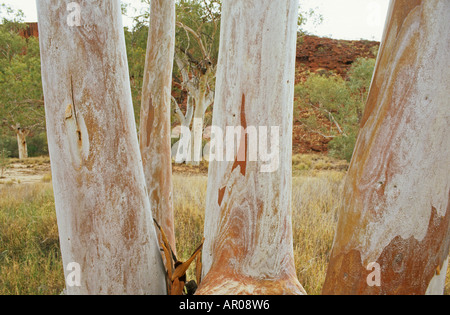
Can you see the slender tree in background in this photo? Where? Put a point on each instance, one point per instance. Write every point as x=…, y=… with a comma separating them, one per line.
x=393, y=234
x=248, y=233
x=103, y=211
x=198, y=29
x=155, y=127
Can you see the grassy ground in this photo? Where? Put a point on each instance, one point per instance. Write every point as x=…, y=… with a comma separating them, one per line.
x=30, y=261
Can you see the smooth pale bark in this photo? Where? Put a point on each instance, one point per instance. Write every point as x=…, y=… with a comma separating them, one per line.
x=104, y=215
x=181, y=149
x=248, y=232
x=197, y=134
x=203, y=99
x=155, y=125
x=396, y=210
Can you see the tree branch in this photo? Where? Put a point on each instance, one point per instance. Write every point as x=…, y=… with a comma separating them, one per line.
x=197, y=38
x=187, y=82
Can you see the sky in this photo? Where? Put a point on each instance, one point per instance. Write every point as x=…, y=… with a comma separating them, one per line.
x=342, y=19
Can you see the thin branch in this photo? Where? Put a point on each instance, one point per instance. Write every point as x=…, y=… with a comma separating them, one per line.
x=187, y=83
x=178, y=110
x=330, y=115
x=197, y=37
x=316, y=131
x=332, y=119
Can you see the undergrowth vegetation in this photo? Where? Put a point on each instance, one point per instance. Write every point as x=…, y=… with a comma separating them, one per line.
x=337, y=101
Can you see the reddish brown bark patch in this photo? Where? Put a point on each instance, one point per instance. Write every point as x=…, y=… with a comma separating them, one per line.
x=224, y=281
x=241, y=159
x=221, y=195
x=407, y=265
x=150, y=120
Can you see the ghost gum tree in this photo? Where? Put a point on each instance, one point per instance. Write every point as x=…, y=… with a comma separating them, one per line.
x=248, y=247
x=155, y=127
x=396, y=211
x=104, y=215
x=198, y=26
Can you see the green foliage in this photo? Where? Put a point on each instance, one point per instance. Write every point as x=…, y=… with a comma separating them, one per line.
x=342, y=147
x=204, y=18
x=340, y=101
x=9, y=143
x=136, y=43
x=360, y=78
x=4, y=159
x=37, y=145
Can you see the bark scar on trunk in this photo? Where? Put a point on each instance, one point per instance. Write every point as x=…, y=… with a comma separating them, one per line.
x=71, y=111
x=241, y=158
x=76, y=130
x=150, y=120
x=221, y=195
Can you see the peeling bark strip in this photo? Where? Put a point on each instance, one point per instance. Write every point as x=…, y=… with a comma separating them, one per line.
x=155, y=125
x=242, y=155
x=248, y=232
x=396, y=203
x=104, y=215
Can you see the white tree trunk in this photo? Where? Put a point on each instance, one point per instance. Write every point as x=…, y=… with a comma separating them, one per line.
x=22, y=142
x=108, y=240
x=182, y=148
x=248, y=247
x=396, y=213
x=155, y=126
x=197, y=132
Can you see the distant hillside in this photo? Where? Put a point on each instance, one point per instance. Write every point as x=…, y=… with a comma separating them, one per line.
x=317, y=54
x=31, y=31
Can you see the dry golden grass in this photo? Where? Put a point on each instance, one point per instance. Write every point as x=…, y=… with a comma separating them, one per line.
x=315, y=201
x=30, y=261
x=447, y=282
x=189, y=204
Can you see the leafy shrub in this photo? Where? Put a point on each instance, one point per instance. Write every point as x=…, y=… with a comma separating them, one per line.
x=37, y=145
x=340, y=101
x=4, y=155
x=9, y=143
x=342, y=147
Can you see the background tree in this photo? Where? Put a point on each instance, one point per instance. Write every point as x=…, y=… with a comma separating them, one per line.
x=21, y=100
x=197, y=46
